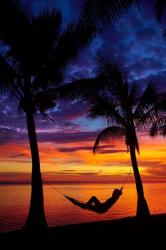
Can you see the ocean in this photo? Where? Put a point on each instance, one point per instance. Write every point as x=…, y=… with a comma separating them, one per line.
x=14, y=203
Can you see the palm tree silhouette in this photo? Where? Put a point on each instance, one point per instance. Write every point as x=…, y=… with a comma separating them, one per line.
x=35, y=54
x=126, y=112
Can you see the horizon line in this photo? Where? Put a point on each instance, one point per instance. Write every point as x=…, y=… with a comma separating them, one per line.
x=76, y=182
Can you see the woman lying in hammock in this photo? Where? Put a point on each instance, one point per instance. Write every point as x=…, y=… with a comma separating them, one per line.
x=95, y=205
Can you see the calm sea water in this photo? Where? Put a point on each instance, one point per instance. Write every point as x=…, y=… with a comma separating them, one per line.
x=14, y=203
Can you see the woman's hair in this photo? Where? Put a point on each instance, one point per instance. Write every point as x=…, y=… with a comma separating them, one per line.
x=116, y=192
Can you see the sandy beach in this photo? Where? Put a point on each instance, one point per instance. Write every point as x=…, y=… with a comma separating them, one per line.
x=126, y=231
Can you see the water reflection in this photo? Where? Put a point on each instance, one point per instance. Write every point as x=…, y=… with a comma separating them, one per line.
x=14, y=202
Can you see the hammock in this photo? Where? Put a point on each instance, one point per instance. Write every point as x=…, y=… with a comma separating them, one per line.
x=95, y=205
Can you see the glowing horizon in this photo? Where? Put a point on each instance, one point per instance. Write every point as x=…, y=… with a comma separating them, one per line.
x=75, y=162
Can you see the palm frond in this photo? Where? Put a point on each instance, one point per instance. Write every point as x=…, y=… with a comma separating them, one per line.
x=44, y=32
x=153, y=130
x=48, y=118
x=13, y=20
x=42, y=82
x=146, y=101
x=107, y=134
x=96, y=12
x=74, y=90
x=104, y=107
x=161, y=102
x=34, y=45
x=160, y=8
x=159, y=127
x=115, y=80
x=114, y=75
x=7, y=74
x=43, y=102
x=145, y=119
x=74, y=38
x=48, y=22
x=133, y=95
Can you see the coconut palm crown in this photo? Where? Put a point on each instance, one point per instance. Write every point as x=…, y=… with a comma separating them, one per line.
x=127, y=109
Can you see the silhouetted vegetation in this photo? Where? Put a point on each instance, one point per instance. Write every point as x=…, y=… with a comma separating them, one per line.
x=126, y=111
x=159, y=125
x=160, y=9
x=36, y=56
x=36, y=53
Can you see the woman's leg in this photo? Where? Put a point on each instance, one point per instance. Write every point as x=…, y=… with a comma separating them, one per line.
x=94, y=200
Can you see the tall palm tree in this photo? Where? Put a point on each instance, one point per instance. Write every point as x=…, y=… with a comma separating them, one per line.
x=126, y=111
x=34, y=55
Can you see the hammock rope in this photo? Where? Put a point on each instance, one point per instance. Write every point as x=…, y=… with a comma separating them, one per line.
x=56, y=189
x=125, y=180
x=64, y=195
x=97, y=206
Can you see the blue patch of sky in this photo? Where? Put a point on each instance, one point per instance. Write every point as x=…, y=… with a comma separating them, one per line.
x=88, y=124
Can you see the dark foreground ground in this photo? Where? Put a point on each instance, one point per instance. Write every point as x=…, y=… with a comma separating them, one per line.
x=126, y=231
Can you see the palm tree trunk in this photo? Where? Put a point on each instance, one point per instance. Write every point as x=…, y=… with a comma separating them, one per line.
x=36, y=217
x=142, y=207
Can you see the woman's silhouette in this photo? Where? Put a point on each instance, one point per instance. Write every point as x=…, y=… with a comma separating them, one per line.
x=95, y=205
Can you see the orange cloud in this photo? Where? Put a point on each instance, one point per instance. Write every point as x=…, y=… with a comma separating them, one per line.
x=75, y=160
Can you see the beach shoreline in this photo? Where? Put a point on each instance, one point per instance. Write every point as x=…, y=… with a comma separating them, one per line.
x=128, y=230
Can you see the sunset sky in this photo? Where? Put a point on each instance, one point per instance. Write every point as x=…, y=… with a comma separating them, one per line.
x=66, y=146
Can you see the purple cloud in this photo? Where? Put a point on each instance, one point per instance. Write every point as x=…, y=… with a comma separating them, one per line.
x=8, y=135
x=103, y=149
x=74, y=149
x=136, y=39
x=18, y=155
x=112, y=151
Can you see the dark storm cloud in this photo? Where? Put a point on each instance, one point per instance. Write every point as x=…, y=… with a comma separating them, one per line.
x=136, y=40
x=67, y=137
